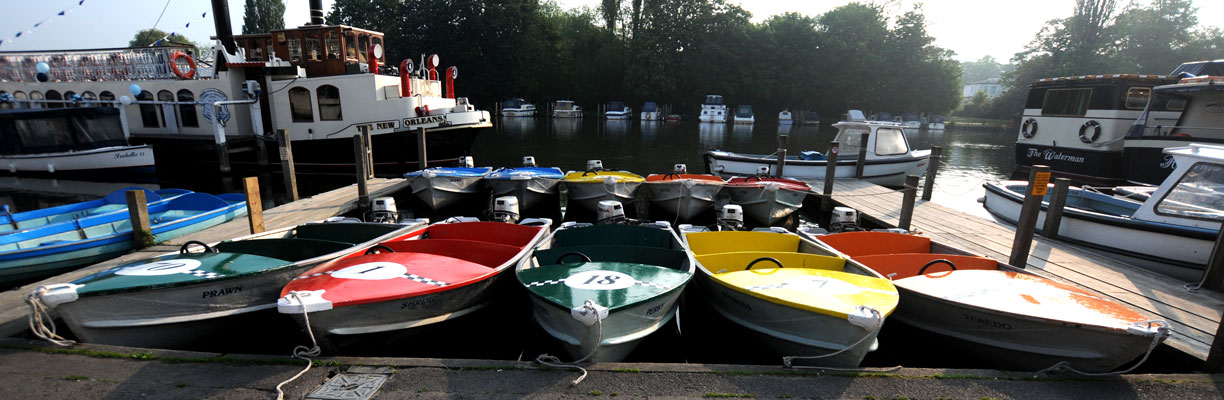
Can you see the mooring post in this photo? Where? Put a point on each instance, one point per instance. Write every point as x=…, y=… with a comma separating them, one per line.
x=286, y=156
x=1039, y=178
x=363, y=195
x=254, y=204
x=1214, y=275
x=1215, y=355
x=261, y=152
x=1054, y=213
x=369, y=150
x=826, y=199
x=781, y=155
x=222, y=149
x=421, y=153
x=907, y=202
x=138, y=213
x=932, y=169
x=862, y=156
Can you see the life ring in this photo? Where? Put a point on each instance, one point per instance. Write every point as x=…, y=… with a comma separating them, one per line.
x=174, y=65
x=1029, y=128
x=1094, y=127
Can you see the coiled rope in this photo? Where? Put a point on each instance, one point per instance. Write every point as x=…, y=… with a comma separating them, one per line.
x=40, y=321
x=553, y=361
x=301, y=352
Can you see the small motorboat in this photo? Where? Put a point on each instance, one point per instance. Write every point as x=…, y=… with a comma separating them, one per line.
x=683, y=194
x=442, y=186
x=65, y=246
x=889, y=155
x=618, y=110
x=803, y=301
x=116, y=201
x=673, y=117
x=911, y=121
x=177, y=298
x=811, y=118
x=713, y=109
x=767, y=200
x=595, y=184
x=935, y=123
x=1017, y=319
x=602, y=289
x=435, y=274
x=566, y=109
x=744, y=114
x=1171, y=232
x=785, y=118
x=518, y=107
x=529, y=183
x=650, y=112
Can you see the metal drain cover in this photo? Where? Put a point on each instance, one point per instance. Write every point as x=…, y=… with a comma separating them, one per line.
x=347, y=386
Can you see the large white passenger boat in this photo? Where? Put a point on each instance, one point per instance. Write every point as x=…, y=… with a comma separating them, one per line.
x=1201, y=101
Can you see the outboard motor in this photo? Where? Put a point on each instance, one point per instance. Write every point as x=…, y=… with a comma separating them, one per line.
x=529, y=161
x=763, y=170
x=731, y=218
x=506, y=209
x=844, y=219
x=384, y=210
x=467, y=162
x=679, y=169
x=610, y=212
x=595, y=165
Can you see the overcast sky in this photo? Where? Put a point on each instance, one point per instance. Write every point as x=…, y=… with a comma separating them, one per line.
x=971, y=28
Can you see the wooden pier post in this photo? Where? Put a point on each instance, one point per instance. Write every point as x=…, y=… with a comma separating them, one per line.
x=369, y=150
x=363, y=193
x=421, y=151
x=907, y=202
x=254, y=204
x=1039, y=177
x=1054, y=213
x=831, y=167
x=138, y=212
x=1215, y=354
x=286, y=156
x=1214, y=275
x=862, y=156
x=781, y=155
x=223, y=153
x=932, y=169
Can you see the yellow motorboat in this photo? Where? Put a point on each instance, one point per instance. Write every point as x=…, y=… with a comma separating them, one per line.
x=590, y=187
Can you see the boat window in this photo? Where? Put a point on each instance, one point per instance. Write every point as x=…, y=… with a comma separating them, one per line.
x=68, y=96
x=890, y=142
x=90, y=99
x=106, y=97
x=1068, y=102
x=350, y=45
x=329, y=103
x=333, y=46
x=187, y=112
x=20, y=96
x=363, y=45
x=148, y=112
x=295, y=50
x=849, y=140
x=54, y=95
x=165, y=95
x=299, y=105
x=1198, y=194
x=1176, y=104
x=314, y=49
x=36, y=96
x=1137, y=97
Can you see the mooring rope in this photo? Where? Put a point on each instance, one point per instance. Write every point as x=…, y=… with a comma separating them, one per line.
x=553, y=361
x=1161, y=333
x=787, y=361
x=301, y=352
x=40, y=321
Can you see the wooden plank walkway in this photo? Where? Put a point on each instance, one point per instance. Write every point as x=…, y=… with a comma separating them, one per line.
x=13, y=310
x=1193, y=317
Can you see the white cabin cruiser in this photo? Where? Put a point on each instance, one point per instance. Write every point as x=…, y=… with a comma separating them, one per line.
x=651, y=112
x=1201, y=102
x=744, y=114
x=713, y=109
x=618, y=110
x=518, y=107
x=784, y=117
x=566, y=109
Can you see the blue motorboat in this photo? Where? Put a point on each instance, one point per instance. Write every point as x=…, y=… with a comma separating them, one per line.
x=529, y=184
x=68, y=245
x=442, y=186
x=116, y=201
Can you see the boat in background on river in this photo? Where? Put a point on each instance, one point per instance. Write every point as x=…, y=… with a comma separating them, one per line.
x=618, y=110
x=566, y=109
x=744, y=114
x=683, y=194
x=529, y=183
x=1016, y=319
x=518, y=107
x=74, y=141
x=784, y=118
x=713, y=109
x=442, y=186
x=650, y=112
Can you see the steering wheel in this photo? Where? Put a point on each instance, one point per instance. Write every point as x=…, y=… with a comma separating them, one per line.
x=771, y=259
x=377, y=249
x=187, y=247
x=933, y=262
x=572, y=253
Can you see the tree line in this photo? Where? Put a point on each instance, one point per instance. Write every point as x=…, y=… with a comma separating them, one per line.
x=672, y=52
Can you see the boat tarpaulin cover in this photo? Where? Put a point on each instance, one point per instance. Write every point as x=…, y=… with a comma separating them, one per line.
x=56, y=130
x=1200, y=68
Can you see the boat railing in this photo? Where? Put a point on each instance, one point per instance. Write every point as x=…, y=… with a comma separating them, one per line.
x=1179, y=130
x=95, y=65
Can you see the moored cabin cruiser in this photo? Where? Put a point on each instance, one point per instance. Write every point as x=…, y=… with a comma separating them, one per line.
x=811, y=118
x=319, y=82
x=1201, y=102
x=650, y=112
x=618, y=110
x=566, y=109
x=744, y=115
x=911, y=121
x=784, y=117
x=935, y=123
x=1076, y=124
x=518, y=107
x=713, y=109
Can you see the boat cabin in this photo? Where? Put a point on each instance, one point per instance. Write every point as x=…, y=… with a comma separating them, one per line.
x=713, y=100
x=650, y=107
x=1200, y=101
x=884, y=138
x=322, y=50
x=1193, y=194
x=743, y=111
x=616, y=105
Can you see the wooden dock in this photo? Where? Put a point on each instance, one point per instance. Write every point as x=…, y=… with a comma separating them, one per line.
x=13, y=310
x=1193, y=317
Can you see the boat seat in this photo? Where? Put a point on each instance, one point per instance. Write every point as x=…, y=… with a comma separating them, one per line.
x=489, y=232
x=737, y=261
x=855, y=244
x=351, y=233
x=488, y=254
x=906, y=265
x=628, y=254
x=289, y=249
x=735, y=241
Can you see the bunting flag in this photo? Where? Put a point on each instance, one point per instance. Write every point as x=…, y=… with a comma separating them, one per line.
x=42, y=22
x=172, y=34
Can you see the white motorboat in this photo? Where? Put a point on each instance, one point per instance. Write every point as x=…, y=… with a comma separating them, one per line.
x=683, y=194
x=935, y=123
x=744, y=114
x=566, y=109
x=713, y=109
x=785, y=118
x=889, y=156
x=594, y=185
x=651, y=112
x=518, y=107
x=442, y=186
x=766, y=199
x=911, y=121
x=529, y=183
x=1171, y=232
x=618, y=110
x=1201, y=121
x=93, y=142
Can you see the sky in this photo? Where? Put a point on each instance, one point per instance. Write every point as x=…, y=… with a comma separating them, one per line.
x=971, y=28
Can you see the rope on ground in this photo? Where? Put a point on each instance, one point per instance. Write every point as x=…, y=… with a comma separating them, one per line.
x=553, y=361
x=40, y=321
x=301, y=352
x=1161, y=333
x=788, y=361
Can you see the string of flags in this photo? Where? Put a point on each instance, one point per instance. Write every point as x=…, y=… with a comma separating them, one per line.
x=41, y=23
x=172, y=34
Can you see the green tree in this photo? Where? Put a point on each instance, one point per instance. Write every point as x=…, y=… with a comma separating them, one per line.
x=263, y=16
x=147, y=37
x=984, y=68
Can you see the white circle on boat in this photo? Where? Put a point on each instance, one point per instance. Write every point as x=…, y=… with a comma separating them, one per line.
x=600, y=280
x=824, y=285
x=164, y=267
x=372, y=271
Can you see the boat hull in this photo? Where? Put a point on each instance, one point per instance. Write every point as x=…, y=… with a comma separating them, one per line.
x=764, y=205
x=589, y=194
x=885, y=172
x=684, y=198
x=135, y=160
x=529, y=192
x=442, y=191
x=617, y=335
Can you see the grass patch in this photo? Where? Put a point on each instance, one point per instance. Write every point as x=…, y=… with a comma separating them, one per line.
x=728, y=396
x=76, y=378
x=594, y=393
x=180, y=385
x=629, y=370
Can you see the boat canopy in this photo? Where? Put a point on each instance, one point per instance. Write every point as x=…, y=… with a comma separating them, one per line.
x=57, y=130
x=650, y=106
x=909, y=117
x=616, y=105
x=1200, y=68
x=743, y=111
x=713, y=99
x=936, y=118
x=514, y=103
x=564, y=105
x=811, y=116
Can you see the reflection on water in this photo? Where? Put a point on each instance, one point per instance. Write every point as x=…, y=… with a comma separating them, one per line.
x=741, y=135
x=517, y=126
x=567, y=128
x=712, y=135
x=785, y=129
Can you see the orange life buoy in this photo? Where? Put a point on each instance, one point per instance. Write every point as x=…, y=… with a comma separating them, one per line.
x=174, y=65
